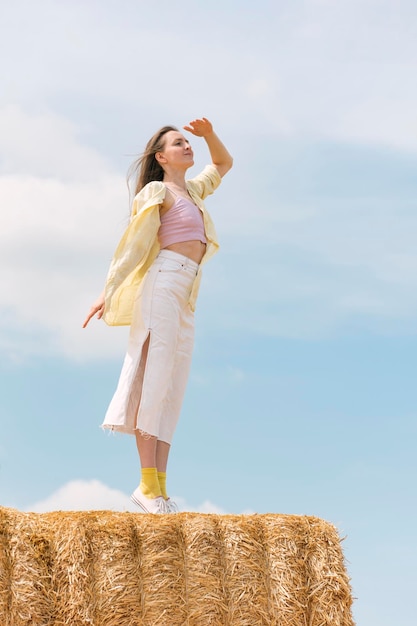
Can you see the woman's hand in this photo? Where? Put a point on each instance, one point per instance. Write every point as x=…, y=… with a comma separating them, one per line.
x=200, y=127
x=220, y=157
x=98, y=307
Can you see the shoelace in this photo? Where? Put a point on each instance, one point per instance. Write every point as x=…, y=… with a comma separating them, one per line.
x=171, y=506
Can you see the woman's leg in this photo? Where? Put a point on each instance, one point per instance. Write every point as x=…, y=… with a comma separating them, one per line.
x=146, y=445
x=153, y=453
x=162, y=453
x=165, y=364
x=148, y=495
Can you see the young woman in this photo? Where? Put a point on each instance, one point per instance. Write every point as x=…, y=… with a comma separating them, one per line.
x=152, y=285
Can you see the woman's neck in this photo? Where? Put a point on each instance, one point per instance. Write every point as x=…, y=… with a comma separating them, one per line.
x=175, y=176
x=175, y=180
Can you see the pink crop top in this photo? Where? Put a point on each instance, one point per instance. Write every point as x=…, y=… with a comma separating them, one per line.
x=182, y=222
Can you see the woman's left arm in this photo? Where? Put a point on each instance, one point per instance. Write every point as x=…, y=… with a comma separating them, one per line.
x=219, y=155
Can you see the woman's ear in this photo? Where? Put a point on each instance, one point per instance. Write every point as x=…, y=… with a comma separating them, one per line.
x=160, y=157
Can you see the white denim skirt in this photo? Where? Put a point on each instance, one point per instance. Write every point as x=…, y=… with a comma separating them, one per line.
x=155, y=370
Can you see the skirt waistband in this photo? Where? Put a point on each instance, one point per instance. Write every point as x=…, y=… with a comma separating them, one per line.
x=181, y=258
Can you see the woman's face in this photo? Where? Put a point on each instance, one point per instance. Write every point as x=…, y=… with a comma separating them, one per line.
x=177, y=151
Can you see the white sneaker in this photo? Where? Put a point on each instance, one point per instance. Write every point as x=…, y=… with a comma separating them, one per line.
x=149, y=505
x=171, y=506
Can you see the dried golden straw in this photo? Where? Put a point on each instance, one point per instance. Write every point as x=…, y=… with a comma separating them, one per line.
x=101, y=568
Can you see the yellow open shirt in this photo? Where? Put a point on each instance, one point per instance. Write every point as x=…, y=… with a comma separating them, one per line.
x=139, y=245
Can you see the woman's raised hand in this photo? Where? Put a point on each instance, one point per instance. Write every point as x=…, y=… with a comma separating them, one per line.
x=220, y=157
x=200, y=127
x=98, y=307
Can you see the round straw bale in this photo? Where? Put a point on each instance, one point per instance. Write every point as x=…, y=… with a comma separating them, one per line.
x=102, y=568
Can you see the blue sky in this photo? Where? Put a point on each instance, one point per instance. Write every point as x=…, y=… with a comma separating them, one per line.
x=302, y=397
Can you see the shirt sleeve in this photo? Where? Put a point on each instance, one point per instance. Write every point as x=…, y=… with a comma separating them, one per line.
x=152, y=193
x=206, y=182
x=137, y=248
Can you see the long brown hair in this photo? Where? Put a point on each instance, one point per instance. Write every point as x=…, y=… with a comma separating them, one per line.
x=146, y=168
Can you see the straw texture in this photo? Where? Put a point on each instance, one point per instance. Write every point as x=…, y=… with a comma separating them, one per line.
x=101, y=568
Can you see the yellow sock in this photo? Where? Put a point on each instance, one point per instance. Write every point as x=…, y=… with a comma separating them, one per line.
x=149, y=484
x=162, y=478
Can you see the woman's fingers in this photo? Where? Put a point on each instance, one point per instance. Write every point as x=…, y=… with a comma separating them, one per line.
x=199, y=127
x=99, y=309
x=88, y=318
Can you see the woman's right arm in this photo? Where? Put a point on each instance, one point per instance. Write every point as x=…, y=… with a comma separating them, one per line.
x=97, y=307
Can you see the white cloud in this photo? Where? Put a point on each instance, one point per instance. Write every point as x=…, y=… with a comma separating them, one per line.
x=304, y=263
x=313, y=263
x=58, y=228
x=205, y=507
x=314, y=70
x=86, y=495
x=83, y=495
x=341, y=70
x=47, y=146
